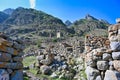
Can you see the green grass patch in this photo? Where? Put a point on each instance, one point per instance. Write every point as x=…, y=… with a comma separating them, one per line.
x=27, y=61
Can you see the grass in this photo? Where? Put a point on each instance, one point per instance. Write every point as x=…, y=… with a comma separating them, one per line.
x=29, y=60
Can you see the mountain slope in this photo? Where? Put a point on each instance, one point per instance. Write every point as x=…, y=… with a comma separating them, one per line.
x=8, y=11
x=25, y=21
x=89, y=25
x=3, y=17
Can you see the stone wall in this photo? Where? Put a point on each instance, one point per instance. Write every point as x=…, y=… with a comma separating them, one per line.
x=103, y=55
x=10, y=58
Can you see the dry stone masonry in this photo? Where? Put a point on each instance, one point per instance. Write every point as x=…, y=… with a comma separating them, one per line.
x=103, y=55
x=11, y=67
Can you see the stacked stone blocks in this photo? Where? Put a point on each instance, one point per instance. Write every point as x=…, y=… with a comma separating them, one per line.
x=103, y=55
x=10, y=58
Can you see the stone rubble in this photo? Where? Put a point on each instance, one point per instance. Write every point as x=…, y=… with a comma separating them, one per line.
x=11, y=67
x=61, y=60
x=103, y=55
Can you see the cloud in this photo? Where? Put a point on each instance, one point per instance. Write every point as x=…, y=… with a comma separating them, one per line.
x=32, y=3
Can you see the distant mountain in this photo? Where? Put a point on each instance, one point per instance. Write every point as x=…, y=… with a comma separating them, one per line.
x=25, y=21
x=8, y=11
x=68, y=23
x=3, y=17
x=31, y=23
x=90, y=25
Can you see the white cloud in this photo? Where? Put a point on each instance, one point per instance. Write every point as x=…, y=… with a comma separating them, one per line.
x=32, y=3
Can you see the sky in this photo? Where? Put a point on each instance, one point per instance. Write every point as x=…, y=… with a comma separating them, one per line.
x=70, y=9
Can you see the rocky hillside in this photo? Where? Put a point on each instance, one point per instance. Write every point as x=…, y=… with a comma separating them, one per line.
x=89, y=25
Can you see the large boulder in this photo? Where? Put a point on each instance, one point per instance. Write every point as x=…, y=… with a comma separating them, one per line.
x=17, y=75
x=41, y=57
x=112, y=75
x=5, y=57
x=4, y=74
x=106, y=56
x=102, y=65
x=116, y=64
x=45, y=70
x=116, y=55
x=115, y=46
x=46, y=61
x=92, y=73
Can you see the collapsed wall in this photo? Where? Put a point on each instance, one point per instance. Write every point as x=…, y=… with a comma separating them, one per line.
x=103, y=55
x=11, y=58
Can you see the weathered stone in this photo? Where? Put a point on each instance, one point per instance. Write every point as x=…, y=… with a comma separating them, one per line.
x=9, y=71
x=3, y=35
x=45, y=70
x=20, y=54
x=99, y=51
x=115, y=46
x=91, y=73
x=18, y=59
x=89, y=59
x=41, y=57
x=113, y=38
x=110, y=28
x=111, y=63
x=64, y=66
x=112, y=75
x=17, y=75
x=8, y=50
x=16, y=65
x=18, y=46
x=113, y=33
x=54, y=75
x=118, y=31
x=50, y=57
x=46, y=61
x=116, y=27
x=116, y=64
x=98, y=78
x=5, y=57
x=116, y=55
x=4, y=75
x=102, y=65
x=5, y=42
x=106, y=56
x=118, y=37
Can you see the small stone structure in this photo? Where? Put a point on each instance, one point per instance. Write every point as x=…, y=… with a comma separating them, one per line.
x=103, y=55
x=10, y=58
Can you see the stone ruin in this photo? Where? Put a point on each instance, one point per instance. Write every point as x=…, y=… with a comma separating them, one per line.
x=102, y=58
x=11, y=67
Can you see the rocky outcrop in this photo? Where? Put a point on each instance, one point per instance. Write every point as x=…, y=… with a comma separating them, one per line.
x=103, y=55
x=10, y=58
